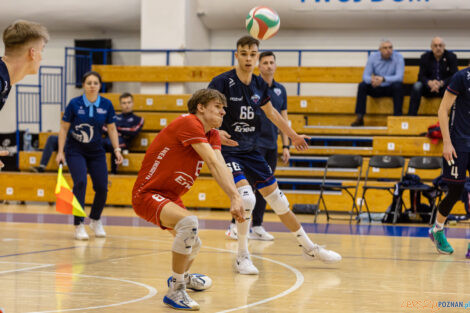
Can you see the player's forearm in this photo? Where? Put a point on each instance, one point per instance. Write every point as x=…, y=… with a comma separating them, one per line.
x=224, y=178
x=444, y=123
x=443, y=115
x=64, y=128
x=284, y=137
x=113, y=135
x=282, y=124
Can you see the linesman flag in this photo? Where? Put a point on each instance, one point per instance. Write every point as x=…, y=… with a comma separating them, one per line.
x=66, y=202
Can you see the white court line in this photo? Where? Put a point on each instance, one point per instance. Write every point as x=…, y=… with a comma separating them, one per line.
x=27, y=268
x=299, y=281
x=152, y=292
x=297, y=284
x=30, y=263
x=299, y=277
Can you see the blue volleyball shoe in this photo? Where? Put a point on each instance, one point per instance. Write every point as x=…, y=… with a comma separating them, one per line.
x=196, y=282
x=177, y=297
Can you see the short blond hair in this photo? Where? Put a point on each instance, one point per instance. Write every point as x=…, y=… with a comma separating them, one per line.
x=22, y=32
x=204, y=96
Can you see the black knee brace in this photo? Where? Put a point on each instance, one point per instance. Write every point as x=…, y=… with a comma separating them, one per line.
x=454, y=195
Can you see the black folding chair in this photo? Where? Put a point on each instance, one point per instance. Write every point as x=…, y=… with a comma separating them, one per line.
x=421, y=163
x=381, y=162
x=345, y=162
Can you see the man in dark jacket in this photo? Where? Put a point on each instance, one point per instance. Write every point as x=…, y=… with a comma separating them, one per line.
x=435, y=71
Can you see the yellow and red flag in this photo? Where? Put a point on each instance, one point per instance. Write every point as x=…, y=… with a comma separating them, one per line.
x=66, y=202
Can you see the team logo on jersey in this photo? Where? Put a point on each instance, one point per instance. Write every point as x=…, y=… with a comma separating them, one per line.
x=83, y=133
x=231, y=82
x=235, y=99
x=101, y=111
x=255, y=98
x=242, y=127
x=184, y=180
x=277, y=91
x=81, y=111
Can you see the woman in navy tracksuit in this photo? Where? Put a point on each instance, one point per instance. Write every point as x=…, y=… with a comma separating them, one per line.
x=81, y=136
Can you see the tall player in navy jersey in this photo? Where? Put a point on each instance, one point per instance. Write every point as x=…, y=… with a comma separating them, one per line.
x=267, y=144
x=247, y=95
x=24, y=42
x=456, y=151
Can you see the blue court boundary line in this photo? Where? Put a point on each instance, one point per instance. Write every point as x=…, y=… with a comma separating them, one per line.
x=335, y=229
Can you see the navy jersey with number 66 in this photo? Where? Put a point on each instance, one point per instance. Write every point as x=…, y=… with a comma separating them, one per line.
x=244, y=102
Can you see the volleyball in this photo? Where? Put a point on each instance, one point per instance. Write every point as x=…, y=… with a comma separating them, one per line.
x=262, y=22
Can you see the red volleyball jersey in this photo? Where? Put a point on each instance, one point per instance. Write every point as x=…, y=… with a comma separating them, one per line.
x=171, y=165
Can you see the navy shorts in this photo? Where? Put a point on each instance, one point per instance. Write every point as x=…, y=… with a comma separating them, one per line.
x=250, y=166
x=457, y=173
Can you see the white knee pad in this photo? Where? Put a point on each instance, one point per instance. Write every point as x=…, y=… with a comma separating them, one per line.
x=186, y=235
x=278, y=202
x=248, y=198
x=196, y=248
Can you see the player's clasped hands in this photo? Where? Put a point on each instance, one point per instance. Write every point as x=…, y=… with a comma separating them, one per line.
x=299, y=142
x=236, y=209
x=449, y=153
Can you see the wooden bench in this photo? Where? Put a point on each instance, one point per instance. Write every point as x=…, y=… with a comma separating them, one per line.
x=381, y=145
x=204, y=194
x=133, y=162
x=296, y=104
x=288, y=74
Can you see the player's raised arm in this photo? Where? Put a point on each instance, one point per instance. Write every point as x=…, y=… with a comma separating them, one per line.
x=222, y=175
x=298, y=141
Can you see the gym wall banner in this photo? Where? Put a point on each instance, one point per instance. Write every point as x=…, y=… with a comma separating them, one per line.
x=309, y=5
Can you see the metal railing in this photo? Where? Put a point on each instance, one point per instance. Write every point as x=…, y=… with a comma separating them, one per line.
x=31, y=99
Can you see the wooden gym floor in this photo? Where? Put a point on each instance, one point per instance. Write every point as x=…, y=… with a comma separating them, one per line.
x=384, y=268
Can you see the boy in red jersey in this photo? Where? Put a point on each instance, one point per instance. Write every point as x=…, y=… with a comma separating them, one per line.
x=171, y=165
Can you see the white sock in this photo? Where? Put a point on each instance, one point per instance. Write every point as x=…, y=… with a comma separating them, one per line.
x=186, y=277
x=242, y=230
x=178, y=277
x=303, y=239
x=438, y=226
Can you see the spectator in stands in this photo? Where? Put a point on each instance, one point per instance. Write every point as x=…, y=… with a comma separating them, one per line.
x=267, y=144
x=128, y=126
x=436, y=68
x=383, y=77
x=24, y=42
x=52, y=144
x=80, y=143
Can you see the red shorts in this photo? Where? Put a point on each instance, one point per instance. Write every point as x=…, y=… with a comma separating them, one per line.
x=149, y=205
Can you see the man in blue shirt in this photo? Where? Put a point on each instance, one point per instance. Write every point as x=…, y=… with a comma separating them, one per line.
x=383, y=77
x=436, y=68
x=267, y=143
x=456, y=151
x=247, y=98
x=24, y=42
